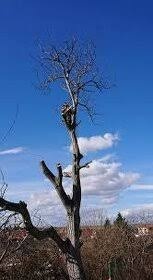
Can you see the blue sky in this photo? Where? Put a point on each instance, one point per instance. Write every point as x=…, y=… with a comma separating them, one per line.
x=122, y=33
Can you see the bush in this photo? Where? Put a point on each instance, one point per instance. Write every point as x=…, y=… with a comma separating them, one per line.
x=106, y=250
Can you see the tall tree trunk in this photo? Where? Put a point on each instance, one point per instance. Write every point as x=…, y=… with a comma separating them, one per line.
x=74, y=262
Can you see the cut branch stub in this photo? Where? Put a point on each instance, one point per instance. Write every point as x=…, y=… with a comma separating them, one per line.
x=60, y=173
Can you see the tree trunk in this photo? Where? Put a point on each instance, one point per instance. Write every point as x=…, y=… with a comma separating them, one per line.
x=74, y=268
x=74, y=263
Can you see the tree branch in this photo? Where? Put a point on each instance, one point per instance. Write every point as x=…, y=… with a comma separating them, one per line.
x=86, y=165
x=57, y=182
x=47, y=172
x=60, y=174
x=50, y=232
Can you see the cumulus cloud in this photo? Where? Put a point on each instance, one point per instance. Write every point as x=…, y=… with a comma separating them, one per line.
x=42, y=199
x=102, y=184
x=12, y=151
x=105, y=180
x=49, y=207
x=96, y=143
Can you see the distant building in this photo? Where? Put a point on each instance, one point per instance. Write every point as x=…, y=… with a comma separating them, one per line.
x=144, y=229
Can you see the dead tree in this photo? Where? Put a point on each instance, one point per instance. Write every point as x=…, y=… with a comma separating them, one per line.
x=73, y=68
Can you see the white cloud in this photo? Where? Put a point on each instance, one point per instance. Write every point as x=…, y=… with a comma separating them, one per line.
x=42, y=199
x=141, y=187
x=139, y=213
x=21, y=190
x=12, y=151
x=108, y=157
x=138, y=208
x=95, y=143
x=49, y=207
x=102, y=184
x=105, y=180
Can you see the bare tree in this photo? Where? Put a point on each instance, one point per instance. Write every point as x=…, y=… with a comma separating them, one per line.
x=72, y=66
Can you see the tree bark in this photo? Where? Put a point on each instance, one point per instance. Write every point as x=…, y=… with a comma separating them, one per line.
x=74, y=262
